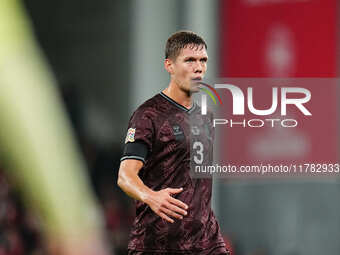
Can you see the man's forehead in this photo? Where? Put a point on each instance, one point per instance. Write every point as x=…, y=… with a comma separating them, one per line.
x=193, y=50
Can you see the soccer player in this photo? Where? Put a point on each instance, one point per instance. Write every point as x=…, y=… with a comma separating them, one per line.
x=173, y=210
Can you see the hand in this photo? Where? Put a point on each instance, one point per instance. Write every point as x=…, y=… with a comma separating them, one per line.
x=165, y=206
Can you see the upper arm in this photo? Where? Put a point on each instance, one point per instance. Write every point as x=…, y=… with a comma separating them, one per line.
x=130, y=166
x=139, y=138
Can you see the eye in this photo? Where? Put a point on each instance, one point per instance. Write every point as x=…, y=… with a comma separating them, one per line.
x=190, y=60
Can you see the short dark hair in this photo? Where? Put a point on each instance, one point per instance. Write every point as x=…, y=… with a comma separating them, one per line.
x=180, y=40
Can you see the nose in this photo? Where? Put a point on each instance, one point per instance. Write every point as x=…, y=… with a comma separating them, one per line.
x=198, y=67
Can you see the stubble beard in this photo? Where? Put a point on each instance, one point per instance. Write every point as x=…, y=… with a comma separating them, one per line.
x=188, y=88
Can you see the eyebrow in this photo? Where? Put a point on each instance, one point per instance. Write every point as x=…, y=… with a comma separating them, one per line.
x=194, y=58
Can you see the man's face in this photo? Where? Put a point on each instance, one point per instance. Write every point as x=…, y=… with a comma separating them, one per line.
x=189, y=67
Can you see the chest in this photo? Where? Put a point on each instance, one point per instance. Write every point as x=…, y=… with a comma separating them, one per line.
x=184, y=132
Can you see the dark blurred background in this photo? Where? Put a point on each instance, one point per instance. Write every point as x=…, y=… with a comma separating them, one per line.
x=107, y=58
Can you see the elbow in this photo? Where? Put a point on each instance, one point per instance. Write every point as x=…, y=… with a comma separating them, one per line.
x=120, y=181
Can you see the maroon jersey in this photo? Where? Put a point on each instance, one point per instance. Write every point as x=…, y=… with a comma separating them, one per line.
x=165, y=128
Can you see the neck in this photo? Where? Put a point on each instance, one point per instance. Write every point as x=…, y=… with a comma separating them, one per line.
x=179, y=96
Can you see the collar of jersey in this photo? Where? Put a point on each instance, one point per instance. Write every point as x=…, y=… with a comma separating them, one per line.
x=177, y=104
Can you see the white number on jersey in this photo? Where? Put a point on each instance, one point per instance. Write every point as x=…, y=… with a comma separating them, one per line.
x=198, y=157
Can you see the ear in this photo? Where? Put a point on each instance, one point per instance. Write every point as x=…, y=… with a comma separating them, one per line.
x=168, y=65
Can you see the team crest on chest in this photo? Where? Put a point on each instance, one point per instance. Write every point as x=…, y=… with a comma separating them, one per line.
x=195, y=130
x=178, y=132
x=130, y=136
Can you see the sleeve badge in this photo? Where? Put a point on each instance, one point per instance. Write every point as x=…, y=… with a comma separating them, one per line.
x=130, y=136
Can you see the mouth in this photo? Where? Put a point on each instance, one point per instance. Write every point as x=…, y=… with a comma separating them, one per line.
x=196, y=79
x=198, y=82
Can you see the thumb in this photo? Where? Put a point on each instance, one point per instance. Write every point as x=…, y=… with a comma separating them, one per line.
x=175, y=190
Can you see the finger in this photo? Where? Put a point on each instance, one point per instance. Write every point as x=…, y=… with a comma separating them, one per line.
x=175, y=208
x=172, y=213
x=175, y=190
x=166, y=217
x=178, y=203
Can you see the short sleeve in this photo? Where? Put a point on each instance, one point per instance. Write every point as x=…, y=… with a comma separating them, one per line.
x=139, y=137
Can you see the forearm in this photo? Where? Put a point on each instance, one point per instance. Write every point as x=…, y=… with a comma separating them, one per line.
x=131, y=184
x=161, y=202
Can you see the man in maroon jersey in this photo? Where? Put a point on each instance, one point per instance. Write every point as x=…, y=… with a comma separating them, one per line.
x=173, y=210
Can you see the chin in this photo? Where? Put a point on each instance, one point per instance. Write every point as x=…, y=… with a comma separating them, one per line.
x=194, y=89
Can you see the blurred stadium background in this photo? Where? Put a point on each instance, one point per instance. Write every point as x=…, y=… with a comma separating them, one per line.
x=107, y=58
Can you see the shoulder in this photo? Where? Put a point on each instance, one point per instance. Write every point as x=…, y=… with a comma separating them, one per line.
x=150, y=109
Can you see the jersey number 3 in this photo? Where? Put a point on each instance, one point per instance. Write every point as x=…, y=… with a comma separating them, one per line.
x=198, y=152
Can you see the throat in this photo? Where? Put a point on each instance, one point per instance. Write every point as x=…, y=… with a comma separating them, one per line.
x=180, y=97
